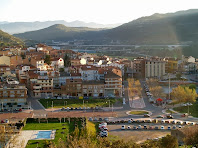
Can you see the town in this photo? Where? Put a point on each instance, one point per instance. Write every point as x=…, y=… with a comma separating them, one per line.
x=41, y=83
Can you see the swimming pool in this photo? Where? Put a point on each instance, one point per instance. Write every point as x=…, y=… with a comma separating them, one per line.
x=44, y=135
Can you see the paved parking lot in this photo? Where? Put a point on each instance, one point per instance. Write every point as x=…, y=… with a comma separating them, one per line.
x=136, y=135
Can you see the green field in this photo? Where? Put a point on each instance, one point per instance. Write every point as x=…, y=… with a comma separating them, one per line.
x=193, y=110
x=59, y=103
x=62, y=130
x=138, y=112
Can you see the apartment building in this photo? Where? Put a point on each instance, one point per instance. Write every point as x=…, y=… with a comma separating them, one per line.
x=41, y=85
x=13, y=95
x=89, y=72
x=154, y=67
x=73, y=87
x=93, y=88
x=113, y=84
x=4, y=68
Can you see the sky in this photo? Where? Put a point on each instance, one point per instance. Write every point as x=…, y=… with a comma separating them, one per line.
x=99, y=11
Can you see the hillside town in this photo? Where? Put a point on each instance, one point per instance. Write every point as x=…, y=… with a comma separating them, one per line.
x=44, y=72
x=41, y=84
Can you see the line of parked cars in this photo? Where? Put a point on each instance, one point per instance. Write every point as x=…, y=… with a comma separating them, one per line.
x=81, y=108
x=154, y=121
x=148, y=93
x=103, y=129
x=147, y=127
x=106, y=119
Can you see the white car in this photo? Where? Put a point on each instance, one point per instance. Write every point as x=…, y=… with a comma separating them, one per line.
x=123, y=127
x=128, y=127
x=162, y=127
x=102, y=124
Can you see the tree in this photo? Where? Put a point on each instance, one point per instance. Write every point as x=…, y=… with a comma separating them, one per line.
x=47, y=59
x=192, y=86
x=178, y=76
x=191, y=136
x=178, y=94
x=169, y=142
x=67, y=61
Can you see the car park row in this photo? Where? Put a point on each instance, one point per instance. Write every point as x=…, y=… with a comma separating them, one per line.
x=147, y=127
x=155, y=121
x=103, y=129
x=80, y=108
x=149, y=95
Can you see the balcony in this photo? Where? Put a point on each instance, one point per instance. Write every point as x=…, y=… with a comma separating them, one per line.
x=36, y=87
x=37, y=90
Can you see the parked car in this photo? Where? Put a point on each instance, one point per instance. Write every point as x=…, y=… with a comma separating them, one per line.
x=106, y=119
x=103, y=134
x=156, y=127
x=139, y=127
x=162, y=127
x=174, y=122
x=174, y=127
x=62, y=109
x=90, y=119
x=123, y=127
x=169, y=128
x=179, y=122
x=134, y=127
x=59, y=97
x=145, y=126
x=146, y=115
x=128, y=127
x=160, y=116
x=169, y=116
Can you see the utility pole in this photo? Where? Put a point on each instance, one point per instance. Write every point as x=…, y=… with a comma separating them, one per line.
x=169, y=85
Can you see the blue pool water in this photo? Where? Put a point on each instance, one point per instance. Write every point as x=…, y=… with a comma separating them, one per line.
x=44, y=135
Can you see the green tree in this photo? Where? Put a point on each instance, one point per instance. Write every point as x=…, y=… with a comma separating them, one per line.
x=47, y=59
x=192, y=86
x=67, y=61
x=169, y=142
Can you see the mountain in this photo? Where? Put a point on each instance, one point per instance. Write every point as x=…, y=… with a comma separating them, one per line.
x=59, y=32
x=171, y=28
x=7, y=39
x=21, y=27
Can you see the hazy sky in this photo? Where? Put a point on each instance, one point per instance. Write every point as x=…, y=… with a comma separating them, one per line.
x=99, y=11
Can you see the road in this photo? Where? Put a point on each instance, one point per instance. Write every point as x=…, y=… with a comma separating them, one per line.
x=131, y=104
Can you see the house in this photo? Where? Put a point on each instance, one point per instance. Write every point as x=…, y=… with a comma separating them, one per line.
x=57, y=63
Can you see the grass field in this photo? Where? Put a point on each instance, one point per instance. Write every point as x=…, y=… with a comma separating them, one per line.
x=62, y=130
x=193, y=110
x=138, y=112
x=59, y=103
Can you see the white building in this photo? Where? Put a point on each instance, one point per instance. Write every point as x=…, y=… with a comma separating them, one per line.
x=89, y=72
x=57, y=63
x=154, y=68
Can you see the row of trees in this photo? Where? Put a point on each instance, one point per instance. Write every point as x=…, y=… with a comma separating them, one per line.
x=134, y=87
x=155, y=89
